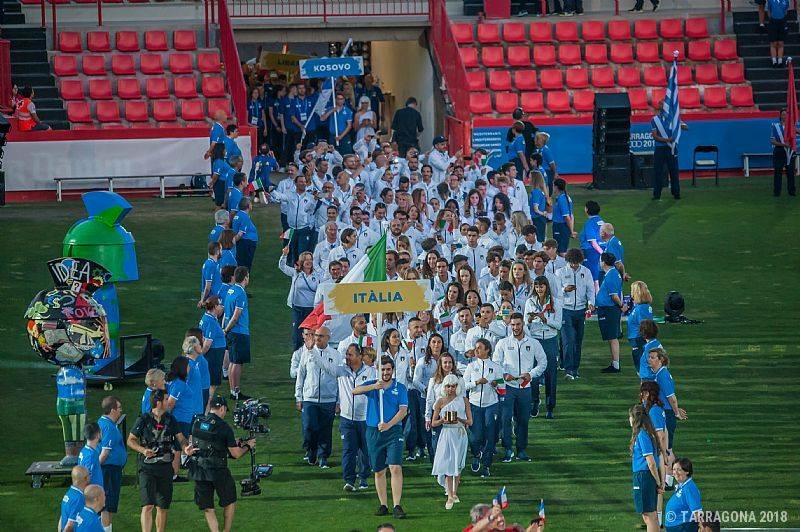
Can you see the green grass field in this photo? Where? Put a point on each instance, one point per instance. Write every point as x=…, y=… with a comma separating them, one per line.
x=732, y=251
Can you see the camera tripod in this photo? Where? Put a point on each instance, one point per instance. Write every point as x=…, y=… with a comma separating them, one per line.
x=250, y=485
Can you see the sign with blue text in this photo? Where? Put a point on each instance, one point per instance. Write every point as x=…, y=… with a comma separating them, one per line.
x=331, y=67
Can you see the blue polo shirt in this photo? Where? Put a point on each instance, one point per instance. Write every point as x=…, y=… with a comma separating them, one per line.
x=265, y=165
x=658, y=417
x=683, y=503
x=537, y=198
x=146, y=400
x=777, y=9
x=666, y=386
x=194, y=381
x=613, y=246
x=231, y=148
x=514, y=147
x=286, y=106
x=237, y=298
x=217, y=133
x=88, y=520
x=243, y=223
x=72, y=503
x=612, y=284
x=562, y=209
x=205, y=377
x=642, y=311
x=254, y=110
x=227, y=258
x=184, y=402
x=644, y=368
x=223, y=170
x=215, y=233
x=547, y=160
x=212, y=330
x=234, y=197
x=302, y=111
x=210, y=272
x=340, y=119
x=393, y=398
x=642, y=447
x=112, y=440
x=591, y=231
x=90, y=459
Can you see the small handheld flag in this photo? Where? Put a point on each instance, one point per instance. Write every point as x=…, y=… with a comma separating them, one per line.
x=446, y=319
x=287, y=235
x=541, y=511
x=501, y=498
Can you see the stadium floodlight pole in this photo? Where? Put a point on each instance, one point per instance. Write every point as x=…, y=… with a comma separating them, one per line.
x=317, y=110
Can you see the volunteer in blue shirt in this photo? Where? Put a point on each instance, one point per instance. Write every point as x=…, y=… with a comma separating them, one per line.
x=563, y=217
x=387, y=405
x=610, y=309
x=73, y=501
x=256, y=115
x=301, y=113
x=340, y=124
x=236, y=326
x=776, y=31
x=113, y=455
x=648, y=395
x=515, y=151
x=231, y=148
x=538, y=204
x=198, y=370
x=221, y=222
x=648, y=330
x=590, y=239
x=642, y=310
x=684, y=512
x=611, y=244
x=236, y=193
x=210, y=280
x=782, y=157
x=548, y=161
x=181, y=400
x=153, y=380
x=89, y=457
x=647, y=480
x=216, y=136
x=227, y=257
x=221, y=174
x=659, y=360
x=88, y=519
x=246, y=234
x=263, y=165
x=213, y=341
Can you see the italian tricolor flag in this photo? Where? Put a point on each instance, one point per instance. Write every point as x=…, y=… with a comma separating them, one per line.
x=287, y=235
x=371, y=268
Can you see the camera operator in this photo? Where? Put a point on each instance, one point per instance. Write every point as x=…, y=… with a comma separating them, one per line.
x=156, y=436
x=214, y=441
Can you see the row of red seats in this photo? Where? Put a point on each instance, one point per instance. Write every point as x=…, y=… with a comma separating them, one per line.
x=583, y=101
x=155, y=88
x=597, y=54
x=37, y=2
x=127, y=41
x=603, y=77
x=125, y=65
x=591, y=31
x=136, y=111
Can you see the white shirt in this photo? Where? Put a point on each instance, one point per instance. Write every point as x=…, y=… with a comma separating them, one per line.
x=537, y=329
x=583, y=294
x=478, y=332
x=321, y=253
x=352, y=407
x=482, y=395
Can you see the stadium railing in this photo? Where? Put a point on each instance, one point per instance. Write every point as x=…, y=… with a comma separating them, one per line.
x=162, y=189
x=326, y=9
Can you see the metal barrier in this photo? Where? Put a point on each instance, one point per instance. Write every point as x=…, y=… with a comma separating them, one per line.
x=110, y=182
x=327, y=8
x=233, y=67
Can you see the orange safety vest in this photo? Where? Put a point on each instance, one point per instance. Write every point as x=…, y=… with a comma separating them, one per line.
x=25, y=120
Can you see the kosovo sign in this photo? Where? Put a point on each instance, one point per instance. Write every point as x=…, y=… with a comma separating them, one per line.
x=385, y=296
x=331, y=67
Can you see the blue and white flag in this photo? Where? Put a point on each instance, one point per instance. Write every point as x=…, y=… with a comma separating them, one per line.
x=670, y=126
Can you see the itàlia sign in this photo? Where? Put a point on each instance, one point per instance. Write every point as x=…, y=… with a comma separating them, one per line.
x=386, y=296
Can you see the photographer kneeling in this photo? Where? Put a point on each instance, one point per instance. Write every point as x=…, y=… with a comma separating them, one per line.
x=214, y=441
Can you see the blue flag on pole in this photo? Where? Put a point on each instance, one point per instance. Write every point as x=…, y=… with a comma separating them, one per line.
x=670, y=125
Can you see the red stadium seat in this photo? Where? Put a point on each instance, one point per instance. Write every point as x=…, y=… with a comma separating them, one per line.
x=127, y=41
x=469, y=56
x=551, y=79
x=544, y=55
x=706, y=74
x=514, y=32
x=558, y=102
x=462, y=33
x=151, y=64
x=525, y=80
x=192, y=110
x=638, y=98
x=645, y=29
x=689, y=98
x=79, y=112
x=697, y=28
x=100, y=89
x=70, y=42
x=214, y=86
x=171, y=123
x=532, y=102
x=629, y=77
x=164, y=111
x=583, y=101
x=184, y=40
x=602, y=77
x=656, y=95
x=621, y=53
x=619, y=30
x=157, y=88
x=647, y=52
x=65, y=65
x=569, y=54
x=480, y=103
x=136, y=111
x=714, y=97
x=700, y=50
x=668, y=49
x=742, y=96
x=488, y=34
x=492, y=56
x=593, y=31
x=219, y=105
x=725, y=49
x=655, y=76
x=732, y=72
x=156, y=41
x=541, y=32
x=519, y=56
x=128, y=89
x=685, y=75
x=98, y=41
x=180, y=63
x=71, y=89
x=476, y=79
x=596, y=54
x=186, y=87
x=107, y=111
x=122, y=65
x=81, y=127
x=505, y=102
x=567, y=31
x=202, y=124
x=577, y=78
x=94, y=65
x=671, y=28
x=113, y=126
x=500, y=80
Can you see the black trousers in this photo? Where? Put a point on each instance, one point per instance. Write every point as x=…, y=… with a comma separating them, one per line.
x=779, y=164
x=665, y=162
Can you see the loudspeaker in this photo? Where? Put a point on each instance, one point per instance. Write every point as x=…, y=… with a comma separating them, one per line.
x=613, y=101
x=612, y=178
x=642, y=170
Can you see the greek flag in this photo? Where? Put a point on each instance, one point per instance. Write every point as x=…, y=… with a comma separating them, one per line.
x=670, y=125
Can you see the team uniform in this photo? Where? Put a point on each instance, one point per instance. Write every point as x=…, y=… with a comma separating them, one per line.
x=562, y=211
x=609, y=313
x=111, y=440
x=666, y=390
x=238, y=338
x=682, y=506
x=385, y=448
x=645, y=492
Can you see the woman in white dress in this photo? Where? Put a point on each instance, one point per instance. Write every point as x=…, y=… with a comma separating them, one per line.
x=453, y=414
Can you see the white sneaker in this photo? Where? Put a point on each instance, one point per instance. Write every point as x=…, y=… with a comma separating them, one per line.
x=449, y=504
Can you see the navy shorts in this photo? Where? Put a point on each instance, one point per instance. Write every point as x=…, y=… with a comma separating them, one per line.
x=385, y=448
x=776, y=30
x=609, y=320
x=684, y=527
x=214, y=358
x=238, y=348
x=672, y=423
x=219, y=192
x=561, y=235
x=112, y=484
x=645, y=492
